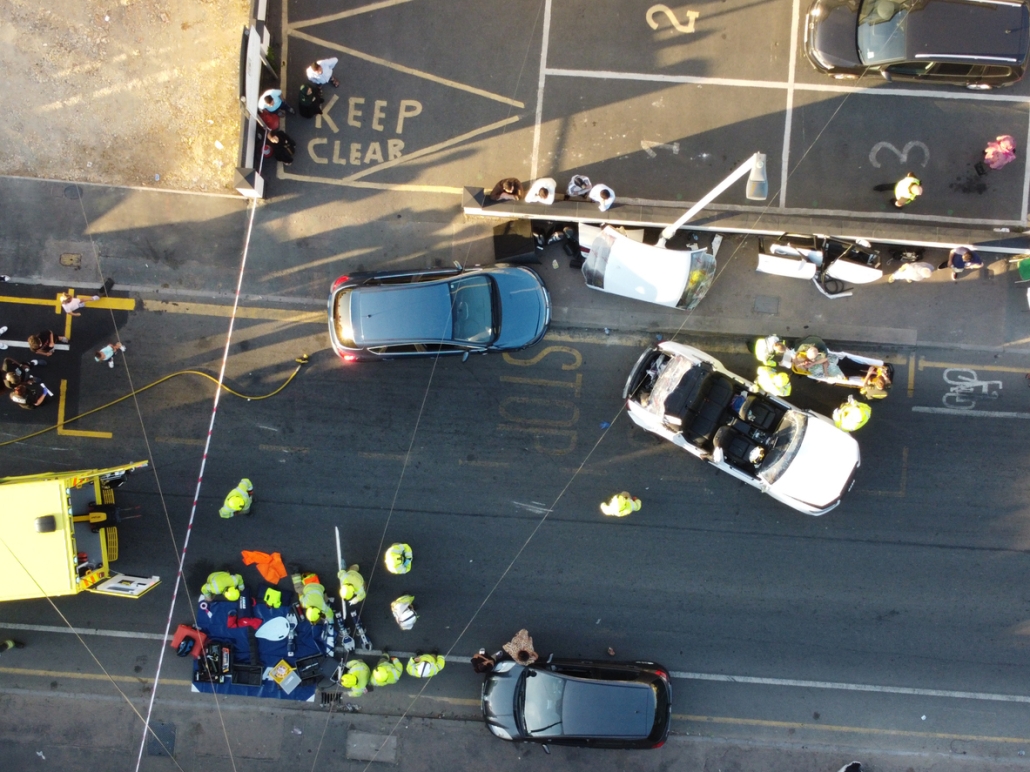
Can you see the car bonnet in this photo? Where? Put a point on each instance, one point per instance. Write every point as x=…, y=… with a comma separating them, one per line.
x=619, y=709
x=822, y=467
x=995, y=30
x=499, y=699
x=401, y=313
x=834, y=34
x=523, y=307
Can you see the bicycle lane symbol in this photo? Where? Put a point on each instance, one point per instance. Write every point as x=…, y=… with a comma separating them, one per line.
x=967, y=388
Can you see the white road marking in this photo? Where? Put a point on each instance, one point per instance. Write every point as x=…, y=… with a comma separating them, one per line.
x=973, y=413
x=540, y=91
x=648, y=147
x=788, y=122
x=699, y=80
x=852, y=687
x=789, y=682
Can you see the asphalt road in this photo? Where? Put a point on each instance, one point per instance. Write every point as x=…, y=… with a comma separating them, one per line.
x=493, y=470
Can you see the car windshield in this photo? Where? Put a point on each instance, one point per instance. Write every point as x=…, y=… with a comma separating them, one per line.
x=667, y=382
x=784, y=446
x=881, y=29
x=702, y=274
x=541, y=702
x=472, y=306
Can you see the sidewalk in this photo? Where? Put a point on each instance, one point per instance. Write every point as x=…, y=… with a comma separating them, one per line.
x=191, y=245
x=102, y=733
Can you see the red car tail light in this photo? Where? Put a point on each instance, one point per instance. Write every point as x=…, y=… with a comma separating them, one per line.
x=340, y=281
x=349, y=358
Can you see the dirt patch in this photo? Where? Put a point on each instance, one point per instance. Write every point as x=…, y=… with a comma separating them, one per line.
x=124, y=92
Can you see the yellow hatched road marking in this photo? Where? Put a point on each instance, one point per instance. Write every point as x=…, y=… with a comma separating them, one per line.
x=243, y=312
x=847, y=729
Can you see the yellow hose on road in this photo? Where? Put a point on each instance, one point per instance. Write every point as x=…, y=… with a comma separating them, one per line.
x=301, y=361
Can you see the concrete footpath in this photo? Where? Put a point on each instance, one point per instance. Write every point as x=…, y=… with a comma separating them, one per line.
x=190, y=246
x=84, y=731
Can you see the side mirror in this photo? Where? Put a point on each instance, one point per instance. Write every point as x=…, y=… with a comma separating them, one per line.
x=457, y=265
x=886, y=75
x=465, y=356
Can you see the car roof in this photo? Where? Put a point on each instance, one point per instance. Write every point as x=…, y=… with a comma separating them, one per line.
x=401, y=313
x=968, y=30
x=607, y=708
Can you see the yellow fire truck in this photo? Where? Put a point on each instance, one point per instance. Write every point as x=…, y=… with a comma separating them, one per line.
x=58, y=535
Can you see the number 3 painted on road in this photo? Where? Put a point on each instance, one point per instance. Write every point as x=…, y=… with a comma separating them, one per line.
x=654, y=10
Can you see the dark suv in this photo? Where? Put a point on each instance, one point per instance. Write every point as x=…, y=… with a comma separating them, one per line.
x=430, y=313
x=590, y=703
x=979, y=44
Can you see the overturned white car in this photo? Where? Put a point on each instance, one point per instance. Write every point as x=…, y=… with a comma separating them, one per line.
x=620, y=263
x=796, y=456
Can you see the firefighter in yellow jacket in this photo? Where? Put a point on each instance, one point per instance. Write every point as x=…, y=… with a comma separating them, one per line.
x=352, y=584
x=222, y=583
x=355, y=677
x=424, y=665
x=387, y=671
x=238, y=500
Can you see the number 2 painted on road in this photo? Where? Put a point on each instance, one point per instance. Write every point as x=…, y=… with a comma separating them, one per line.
x=654, y=10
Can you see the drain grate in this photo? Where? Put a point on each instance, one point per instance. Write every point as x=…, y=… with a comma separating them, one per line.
x=161, y=742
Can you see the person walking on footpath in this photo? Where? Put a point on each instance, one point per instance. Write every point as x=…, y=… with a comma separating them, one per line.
x=962, y=259
x=387, y=672
x=43, y=343
x=579, y=186
x=281, y=146
x=620, y=505
x=907, y=190
x=272, y=102
x=72, y=304
x=508, y=189
x=542, y=191
x=238, y=500
x=321, y=72
x=106, y=354
x=603, y=196
x=311, y=100
x=424, y=665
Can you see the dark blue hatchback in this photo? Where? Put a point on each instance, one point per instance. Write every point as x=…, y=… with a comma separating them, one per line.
x=431, y=313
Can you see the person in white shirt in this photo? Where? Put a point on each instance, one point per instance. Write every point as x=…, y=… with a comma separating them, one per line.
x=321, y=72
x=603, y=195
x=273, y=102
x=579, y=185
x=542, y=191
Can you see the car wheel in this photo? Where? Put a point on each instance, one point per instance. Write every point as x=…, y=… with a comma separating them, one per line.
x=978, y=86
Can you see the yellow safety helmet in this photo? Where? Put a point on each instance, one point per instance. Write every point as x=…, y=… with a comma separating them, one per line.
x=313, y=615
x=232, y=594
x=349, y=680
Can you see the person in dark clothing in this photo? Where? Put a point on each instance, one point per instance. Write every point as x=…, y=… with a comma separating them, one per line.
x=30, y=394
x=283, y=146
x=311, y=100
x=44, y=342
